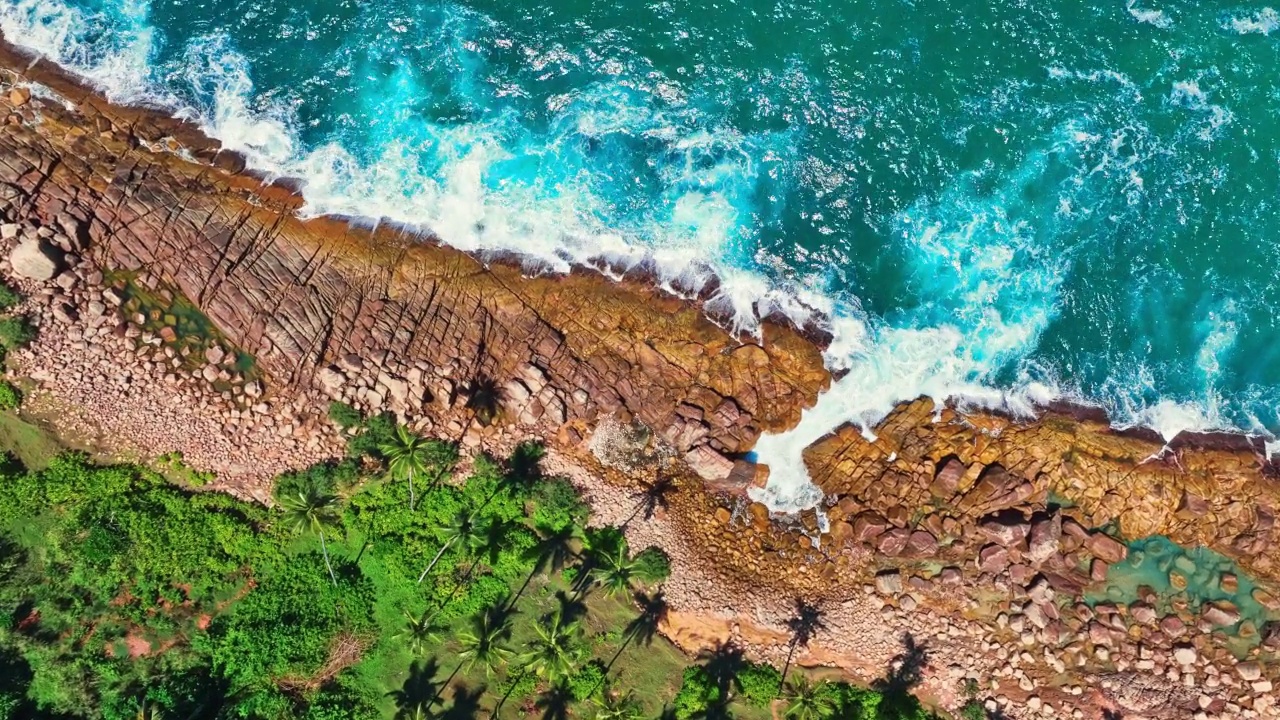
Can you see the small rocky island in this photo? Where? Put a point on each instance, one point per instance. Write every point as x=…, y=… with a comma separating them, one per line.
x=1011, y=568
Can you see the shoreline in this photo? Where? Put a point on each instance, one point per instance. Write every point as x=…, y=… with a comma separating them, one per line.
x=194, y=142
x=949, y=530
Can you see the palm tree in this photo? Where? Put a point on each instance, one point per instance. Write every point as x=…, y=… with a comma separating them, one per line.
x=615, y=569
x=461, y=529
x=416, y=697
x=310, y=507
x=643, y=627
x=420, y=632
x=612, y=705
x=555, y=652
x=484, y=642
x=807, y=700
x=555, y=702
x=406, y=457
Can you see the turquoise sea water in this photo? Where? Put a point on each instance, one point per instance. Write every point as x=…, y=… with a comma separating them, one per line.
x=1004, y=201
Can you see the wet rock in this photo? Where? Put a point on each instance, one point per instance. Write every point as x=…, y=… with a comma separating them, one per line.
x=1006, y=530
x=868, y=525
x=1106, y=547
x=709, y=464
x=1172, y=626
x=35, y=259
x=947, y=479
x=993, y=559
x=1221, y=613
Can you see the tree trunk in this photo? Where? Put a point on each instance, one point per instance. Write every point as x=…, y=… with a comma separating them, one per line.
x=327, y=564
x=435, y=559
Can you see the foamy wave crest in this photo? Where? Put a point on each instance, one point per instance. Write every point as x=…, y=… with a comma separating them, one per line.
x=487, y=185
x=1151, y=17
x=997, y=287
x=1262, y=22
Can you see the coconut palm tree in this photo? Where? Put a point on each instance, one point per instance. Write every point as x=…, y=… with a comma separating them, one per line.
x=420, y=632
x=309, y=506
x=484, y=642
x=807, y=700
x=556, y=650
x=613, y=705
x=407, y=456
x=615, y=569
x=461, y=530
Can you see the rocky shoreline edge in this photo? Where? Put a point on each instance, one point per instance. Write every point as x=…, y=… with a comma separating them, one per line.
x=980, y=536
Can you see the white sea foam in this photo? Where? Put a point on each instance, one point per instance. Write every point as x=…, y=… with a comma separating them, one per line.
x=1148, y=16
x=1262, y=22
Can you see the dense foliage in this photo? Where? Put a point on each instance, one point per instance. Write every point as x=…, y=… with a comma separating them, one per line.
x=123, y=595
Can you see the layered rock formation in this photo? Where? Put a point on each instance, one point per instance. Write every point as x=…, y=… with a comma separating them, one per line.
x=394, y=317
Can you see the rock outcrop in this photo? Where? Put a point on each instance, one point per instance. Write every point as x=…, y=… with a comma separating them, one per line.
x=383, y=316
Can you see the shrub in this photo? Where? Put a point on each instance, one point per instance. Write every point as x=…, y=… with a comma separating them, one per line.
x=697, y=693
x=15, y=332
x=374, y=432
x=759, y=683
x=10, y=396
x=587, y=681
x=344, y=416
x=9, y=298
x=652, y=565
x=557, y=505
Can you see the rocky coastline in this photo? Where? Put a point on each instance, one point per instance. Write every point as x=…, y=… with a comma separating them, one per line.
x=1005, y=548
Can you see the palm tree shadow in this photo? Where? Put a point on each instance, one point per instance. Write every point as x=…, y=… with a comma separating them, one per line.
x=572, y=607
x=419, y=691
x=653, y=496
x=466, y=704
x=722, y=663
x=555, y=702
x=806, y=622
x=905, y=673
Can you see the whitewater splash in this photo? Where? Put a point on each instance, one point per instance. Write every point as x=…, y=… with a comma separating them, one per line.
x=625, y=166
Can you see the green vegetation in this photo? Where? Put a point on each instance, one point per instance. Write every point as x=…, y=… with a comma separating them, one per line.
x=125, y=595
x=10, y=396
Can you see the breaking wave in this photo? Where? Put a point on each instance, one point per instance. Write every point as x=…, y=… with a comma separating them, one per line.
x=962, y=278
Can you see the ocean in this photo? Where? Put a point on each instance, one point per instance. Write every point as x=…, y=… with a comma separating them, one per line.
x=997, y=203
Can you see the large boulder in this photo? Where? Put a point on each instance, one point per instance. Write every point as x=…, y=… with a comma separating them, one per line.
x=35, y=259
